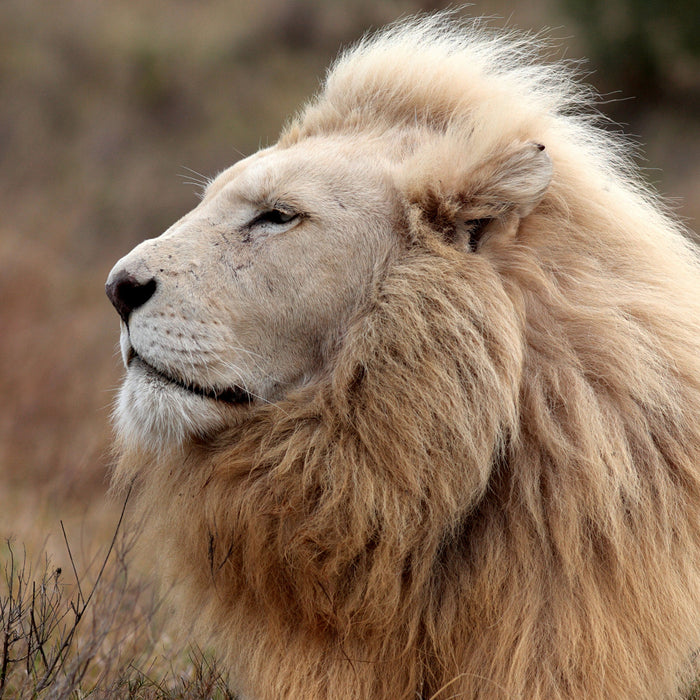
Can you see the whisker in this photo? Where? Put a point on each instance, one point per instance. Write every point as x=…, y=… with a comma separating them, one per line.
x=201, y=176
x=192, y=181
x=244, y=384
x=248, y=352
x=197, y=179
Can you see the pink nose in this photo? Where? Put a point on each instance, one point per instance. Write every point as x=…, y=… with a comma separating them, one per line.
x=127, y=293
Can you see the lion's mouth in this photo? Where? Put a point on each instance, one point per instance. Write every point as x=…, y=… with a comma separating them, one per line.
x=232, y=395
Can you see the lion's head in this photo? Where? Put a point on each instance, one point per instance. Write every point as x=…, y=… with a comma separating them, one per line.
x=250, y=295
x=412, y=396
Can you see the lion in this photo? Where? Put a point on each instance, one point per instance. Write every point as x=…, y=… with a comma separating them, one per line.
x=412, y=397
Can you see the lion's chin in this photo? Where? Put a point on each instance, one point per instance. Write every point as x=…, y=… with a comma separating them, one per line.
x=157, y=412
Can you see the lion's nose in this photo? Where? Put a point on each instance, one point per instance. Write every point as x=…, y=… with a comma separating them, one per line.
x=127, y=292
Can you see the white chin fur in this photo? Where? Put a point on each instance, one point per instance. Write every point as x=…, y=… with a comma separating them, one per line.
x=152, y=415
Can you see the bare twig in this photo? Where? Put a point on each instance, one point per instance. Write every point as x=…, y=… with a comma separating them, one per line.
x=47, y=650
x=82, y=604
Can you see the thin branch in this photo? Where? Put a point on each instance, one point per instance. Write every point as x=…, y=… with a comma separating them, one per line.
x=80, y=609
x=72, y=563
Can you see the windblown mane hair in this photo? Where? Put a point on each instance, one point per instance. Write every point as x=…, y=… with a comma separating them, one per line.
x=494, y=490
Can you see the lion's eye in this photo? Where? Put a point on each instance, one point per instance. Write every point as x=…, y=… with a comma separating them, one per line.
x=274, y=216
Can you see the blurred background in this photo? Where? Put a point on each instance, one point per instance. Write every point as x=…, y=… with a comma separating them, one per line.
x=109, y=111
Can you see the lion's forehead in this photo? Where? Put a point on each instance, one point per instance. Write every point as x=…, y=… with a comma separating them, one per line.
x=316, y=172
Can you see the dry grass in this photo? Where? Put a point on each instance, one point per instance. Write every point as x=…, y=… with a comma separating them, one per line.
x=103, y=107
x=94, y=633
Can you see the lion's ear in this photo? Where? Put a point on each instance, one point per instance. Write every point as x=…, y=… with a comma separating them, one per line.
x=462, y=202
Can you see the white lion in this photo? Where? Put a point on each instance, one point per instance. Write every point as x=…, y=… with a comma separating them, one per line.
x=412, y=397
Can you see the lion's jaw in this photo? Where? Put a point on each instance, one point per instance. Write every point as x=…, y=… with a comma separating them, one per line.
x=253, y=289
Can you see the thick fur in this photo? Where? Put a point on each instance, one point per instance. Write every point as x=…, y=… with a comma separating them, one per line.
x=492, y=488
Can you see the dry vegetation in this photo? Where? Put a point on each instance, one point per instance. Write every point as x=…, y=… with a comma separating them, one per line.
x=93, y=633
x=105, y=107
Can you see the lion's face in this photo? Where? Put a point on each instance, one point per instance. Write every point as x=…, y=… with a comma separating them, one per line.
x=244, y=298
x=249, y=295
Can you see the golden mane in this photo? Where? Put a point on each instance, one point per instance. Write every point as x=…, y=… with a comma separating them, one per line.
x=494, y=490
